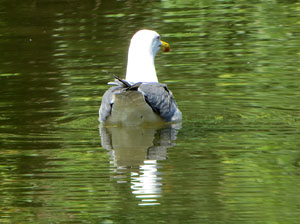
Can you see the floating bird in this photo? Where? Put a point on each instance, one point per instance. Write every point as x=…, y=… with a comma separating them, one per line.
x=140, y=98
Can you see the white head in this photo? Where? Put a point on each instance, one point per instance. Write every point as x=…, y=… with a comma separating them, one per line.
x=142, y=50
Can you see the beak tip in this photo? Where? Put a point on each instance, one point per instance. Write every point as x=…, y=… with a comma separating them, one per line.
x=165, y=46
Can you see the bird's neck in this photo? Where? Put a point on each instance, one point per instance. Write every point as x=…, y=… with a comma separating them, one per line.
x=140, y=66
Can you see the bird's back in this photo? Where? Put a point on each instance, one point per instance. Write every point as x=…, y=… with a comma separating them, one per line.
x=130, y=108
x=138, y=104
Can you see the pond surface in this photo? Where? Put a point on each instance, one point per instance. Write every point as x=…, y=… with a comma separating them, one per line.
x=234, y=71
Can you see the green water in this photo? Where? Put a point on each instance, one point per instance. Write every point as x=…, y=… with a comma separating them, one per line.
x=234, y=71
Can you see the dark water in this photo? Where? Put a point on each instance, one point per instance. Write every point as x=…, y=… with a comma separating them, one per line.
x=234, y=70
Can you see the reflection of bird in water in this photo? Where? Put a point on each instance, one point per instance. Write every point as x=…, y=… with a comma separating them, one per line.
x=138, y=150
x=140, y=98
x=131, y=146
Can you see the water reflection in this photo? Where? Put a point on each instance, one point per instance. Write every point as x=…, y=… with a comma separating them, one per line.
x=137, y=150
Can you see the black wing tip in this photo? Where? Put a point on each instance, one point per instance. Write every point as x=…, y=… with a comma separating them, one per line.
x=126, y=84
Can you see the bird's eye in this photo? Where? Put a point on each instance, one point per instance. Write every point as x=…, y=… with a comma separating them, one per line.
x=158, y=37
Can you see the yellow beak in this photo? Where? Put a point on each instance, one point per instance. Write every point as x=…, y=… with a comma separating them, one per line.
x=165, y=46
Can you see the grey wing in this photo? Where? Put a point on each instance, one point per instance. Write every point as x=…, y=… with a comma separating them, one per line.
x=161, y=100
x=107, y=102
